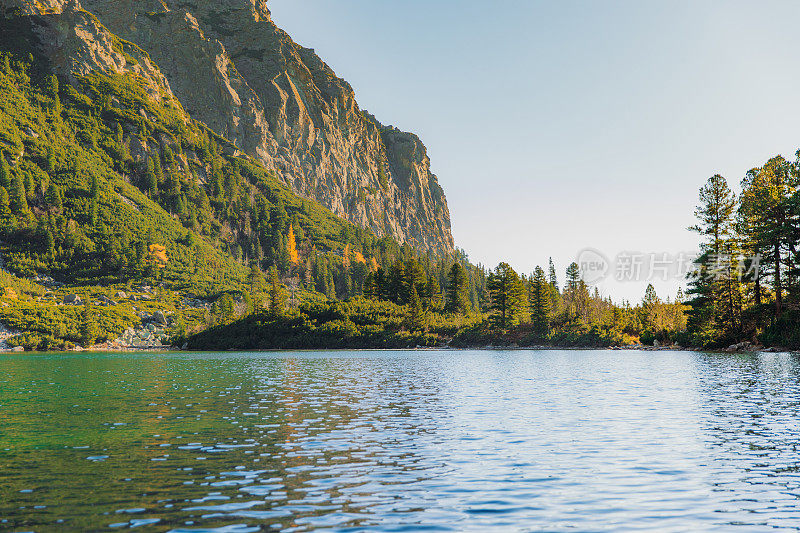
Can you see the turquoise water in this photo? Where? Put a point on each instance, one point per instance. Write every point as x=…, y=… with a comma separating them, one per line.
x=400, y=441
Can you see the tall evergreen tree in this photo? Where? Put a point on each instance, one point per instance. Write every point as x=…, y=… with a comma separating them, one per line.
x=457, y=290
x=507, y=296
x=416, y=313
x=553, y=278
x=5, y=173
x=540, y=302
x=19, y=201
x=713, y=275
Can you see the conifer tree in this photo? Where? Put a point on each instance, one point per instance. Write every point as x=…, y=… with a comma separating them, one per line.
x=553, y=278
x=572, y=291
x=457, y=290
x=540, y=302
x=416, y=313
x=714, y=269
x=766, y=212
x=434, y=294
x=255, y=279
x=19, y=201
x=507, y=296
x=5, y=204
x=5, y=173
x=370, y=289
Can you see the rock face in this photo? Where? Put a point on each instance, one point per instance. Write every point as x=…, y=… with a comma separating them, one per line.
x=234, y=69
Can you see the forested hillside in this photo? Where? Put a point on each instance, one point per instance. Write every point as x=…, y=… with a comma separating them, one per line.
x=106, y=182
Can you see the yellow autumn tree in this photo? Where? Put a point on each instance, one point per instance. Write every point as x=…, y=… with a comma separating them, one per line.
x=360, y=258
x=291, y=246
x=346, y=257
x=159, y=254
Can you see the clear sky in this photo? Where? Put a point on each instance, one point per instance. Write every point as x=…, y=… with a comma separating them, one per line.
x=559, y=125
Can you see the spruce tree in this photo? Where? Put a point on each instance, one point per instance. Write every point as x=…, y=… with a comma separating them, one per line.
x=572, y=292
x=457, y=290
x=434, y=294
x=553, y=278
x=416, y=313
x=507, y=296
x=540, y=302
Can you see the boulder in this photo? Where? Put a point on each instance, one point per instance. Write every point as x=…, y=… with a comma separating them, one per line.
x=105, y=300
x=159, y=318
x=72, y=299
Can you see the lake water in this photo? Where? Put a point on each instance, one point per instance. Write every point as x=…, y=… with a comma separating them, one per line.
x=400, y=441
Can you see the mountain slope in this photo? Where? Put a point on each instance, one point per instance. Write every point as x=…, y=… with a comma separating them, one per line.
x=102, y=165
x=236, y=71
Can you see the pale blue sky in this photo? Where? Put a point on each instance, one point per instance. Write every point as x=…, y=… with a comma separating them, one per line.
x=555, y=126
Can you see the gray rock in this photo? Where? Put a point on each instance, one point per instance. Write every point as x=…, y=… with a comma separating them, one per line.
x=159, y=318
x=72, y=299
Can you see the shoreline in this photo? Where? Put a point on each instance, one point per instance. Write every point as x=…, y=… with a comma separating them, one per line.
x=635, y=348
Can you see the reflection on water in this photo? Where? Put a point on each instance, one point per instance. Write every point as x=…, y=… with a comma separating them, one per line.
x=521, y=440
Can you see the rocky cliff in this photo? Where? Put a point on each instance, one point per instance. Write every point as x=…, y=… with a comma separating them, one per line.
x=232, y=68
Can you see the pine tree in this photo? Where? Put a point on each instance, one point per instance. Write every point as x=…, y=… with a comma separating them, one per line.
x=370, y=288
x=457, y=290
x=416, y=314
x=434, y=294
x=716, y=226
x=19, y=201
x=649, y=305
x=507, y=296
x=5, y=173
x=553, y=278
x=415, y=278
x=540, y=302
x=765, y=211
x=572, y=291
